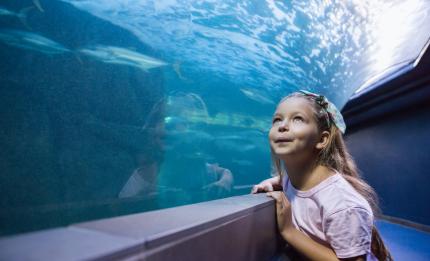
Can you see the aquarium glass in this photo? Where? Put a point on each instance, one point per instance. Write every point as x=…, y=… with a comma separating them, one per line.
x=114, y=107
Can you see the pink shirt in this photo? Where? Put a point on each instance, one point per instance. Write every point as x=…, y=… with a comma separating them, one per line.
x=334, y=214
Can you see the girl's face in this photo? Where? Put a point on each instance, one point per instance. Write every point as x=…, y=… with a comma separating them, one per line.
x=294, y=132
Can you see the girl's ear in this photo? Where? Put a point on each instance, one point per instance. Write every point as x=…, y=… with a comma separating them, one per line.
x=323, y=142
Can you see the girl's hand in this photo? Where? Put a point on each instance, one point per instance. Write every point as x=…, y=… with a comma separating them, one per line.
x=283, y=213
x=264, y=186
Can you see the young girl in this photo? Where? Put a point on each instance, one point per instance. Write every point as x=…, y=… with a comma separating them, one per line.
x=325, y=211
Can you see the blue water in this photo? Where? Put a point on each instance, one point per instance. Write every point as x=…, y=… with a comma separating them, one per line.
x=116, y=107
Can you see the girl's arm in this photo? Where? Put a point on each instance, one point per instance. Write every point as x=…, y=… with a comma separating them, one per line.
x=268, y=185
x=309, y=248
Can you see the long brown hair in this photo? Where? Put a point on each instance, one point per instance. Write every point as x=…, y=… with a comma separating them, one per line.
x=336, y=156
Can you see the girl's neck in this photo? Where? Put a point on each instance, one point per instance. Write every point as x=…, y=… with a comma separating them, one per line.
x=305, y=177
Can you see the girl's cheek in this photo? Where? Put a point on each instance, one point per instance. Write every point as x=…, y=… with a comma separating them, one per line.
x=272, y=134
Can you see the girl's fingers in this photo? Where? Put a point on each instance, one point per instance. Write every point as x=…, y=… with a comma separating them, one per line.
x=256, y=189
x=268, y=187
x=275, y=195
x=279, y=203
x=280, y=198
x=261, y=187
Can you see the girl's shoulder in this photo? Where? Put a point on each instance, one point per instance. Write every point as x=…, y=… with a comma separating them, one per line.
x=339, y=195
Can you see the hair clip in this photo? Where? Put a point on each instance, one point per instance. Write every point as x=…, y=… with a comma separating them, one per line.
x=333, y=113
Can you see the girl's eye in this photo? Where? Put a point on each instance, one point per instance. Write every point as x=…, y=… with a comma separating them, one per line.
x=276, y=120
x=298, y=119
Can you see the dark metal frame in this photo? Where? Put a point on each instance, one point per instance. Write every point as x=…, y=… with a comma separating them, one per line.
x=394, y=92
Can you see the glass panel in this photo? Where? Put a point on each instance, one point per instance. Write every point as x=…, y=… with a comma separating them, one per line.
x=116, y=107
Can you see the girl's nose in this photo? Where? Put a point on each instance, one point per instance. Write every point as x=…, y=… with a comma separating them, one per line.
x=283, y=125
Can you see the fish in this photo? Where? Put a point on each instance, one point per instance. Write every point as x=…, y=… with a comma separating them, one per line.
x=38, y=5
x=243, y=162
x=234, y=145
x=21, y=15
x=31, y=41
x=241, y=141
x=122, y=56
x=177, y=68
x=256, y=96
x=6, y=12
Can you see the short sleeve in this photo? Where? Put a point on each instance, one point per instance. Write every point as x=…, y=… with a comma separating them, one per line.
x=349, y=232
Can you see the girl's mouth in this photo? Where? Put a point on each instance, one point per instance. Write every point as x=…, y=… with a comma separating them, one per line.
x=281, y=140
